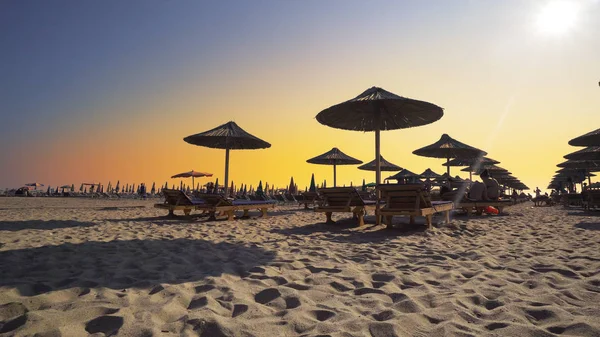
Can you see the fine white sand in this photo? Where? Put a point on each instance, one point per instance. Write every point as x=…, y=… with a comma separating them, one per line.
x=73, y=267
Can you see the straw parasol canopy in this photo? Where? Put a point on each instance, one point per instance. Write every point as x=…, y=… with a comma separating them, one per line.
x=193, y=174
x=228, y=136
x=334, y=157
x=429, y=174
x=586, y=166
x=588, y=153
x=471, y=161
x=448, y=147
x=589, y=139
x=377, y=109
x=404, y=174
x=385, y=166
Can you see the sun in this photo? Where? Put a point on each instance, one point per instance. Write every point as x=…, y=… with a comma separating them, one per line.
x=557, y=17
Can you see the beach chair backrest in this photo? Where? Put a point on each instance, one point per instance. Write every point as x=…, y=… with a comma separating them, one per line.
x=405, y=196
x=213, y=199
x=341, y=197
x=176, y=197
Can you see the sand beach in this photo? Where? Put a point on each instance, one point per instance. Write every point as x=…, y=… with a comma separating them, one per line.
x=77, y=267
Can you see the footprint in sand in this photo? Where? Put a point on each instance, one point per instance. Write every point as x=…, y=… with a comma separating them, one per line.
x=323, y=315
x=267, y=296
x=239, y=309
x=292, y=302
x=384, y=315
x=108, y=325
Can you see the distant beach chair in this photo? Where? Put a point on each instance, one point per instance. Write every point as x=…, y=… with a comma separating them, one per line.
x=411, y=200
x=343, y=199
x=309, y=198
x=591, y=199
x=176, y=200
x=216, y=203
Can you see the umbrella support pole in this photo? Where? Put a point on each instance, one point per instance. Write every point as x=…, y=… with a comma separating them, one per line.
x=334, y=176
x=377, y=173
x=226, y=172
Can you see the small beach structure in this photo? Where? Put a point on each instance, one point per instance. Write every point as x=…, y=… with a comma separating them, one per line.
x=228, y=136
x=384, y=165
x=375, y=110
x=448, y=147
x=334, y=157
x=193, y=174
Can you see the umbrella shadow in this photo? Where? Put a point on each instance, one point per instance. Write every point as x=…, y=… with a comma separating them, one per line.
x=14, y=226
x=143, y=264
x=583, y=212
x=592, y=226
x=347, y=230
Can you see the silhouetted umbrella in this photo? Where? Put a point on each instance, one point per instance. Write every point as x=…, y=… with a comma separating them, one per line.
x=473, y=162
x=334, y=157
x=228, y=136
x=588, y=153
x=429, y=174
x=587, y=165
x=193, y=174
x=375, y=110
x=385, y=166
x=404, y=174
x=589, y=139
x=313, y=187
x=448, y=147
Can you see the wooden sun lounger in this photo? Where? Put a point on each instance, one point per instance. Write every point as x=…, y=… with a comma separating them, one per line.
x=591, y=199
x=469, y=205
x=411, y=200
x=216, y=203
x=343, y=199
x=309, y=198
x=176, y=200
x=211, y=203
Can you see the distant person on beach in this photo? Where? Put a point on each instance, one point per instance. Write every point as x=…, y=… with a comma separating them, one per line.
x=478, y=191
x=537, y=192
x=491, y=185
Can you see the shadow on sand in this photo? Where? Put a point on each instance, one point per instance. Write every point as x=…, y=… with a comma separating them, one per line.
x=347, y=230
x=592, y=226
x=13, y=226
x=124, y=264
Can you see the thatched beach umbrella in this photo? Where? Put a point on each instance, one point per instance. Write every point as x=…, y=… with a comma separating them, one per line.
x=589, y=139
x=473, y=162
x=375, y=110
x=384, y=165
x=448, y=147
x=404, y=174
x=228, y=136
x=334, y=157
x=313, y=186
x=429, y=174
x=587, y=165
x=588, y=153
x=193, y=174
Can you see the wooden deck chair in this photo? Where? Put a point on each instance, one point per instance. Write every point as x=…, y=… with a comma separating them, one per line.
x=177, y=200
x=343, y=199
x=217, y=204
x=310, y=198
x=411, y=200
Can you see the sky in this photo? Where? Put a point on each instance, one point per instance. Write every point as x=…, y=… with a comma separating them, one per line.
x=99, y=91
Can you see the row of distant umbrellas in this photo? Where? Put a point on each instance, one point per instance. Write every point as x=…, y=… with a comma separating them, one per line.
x=580, y=164
x=373, y=110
